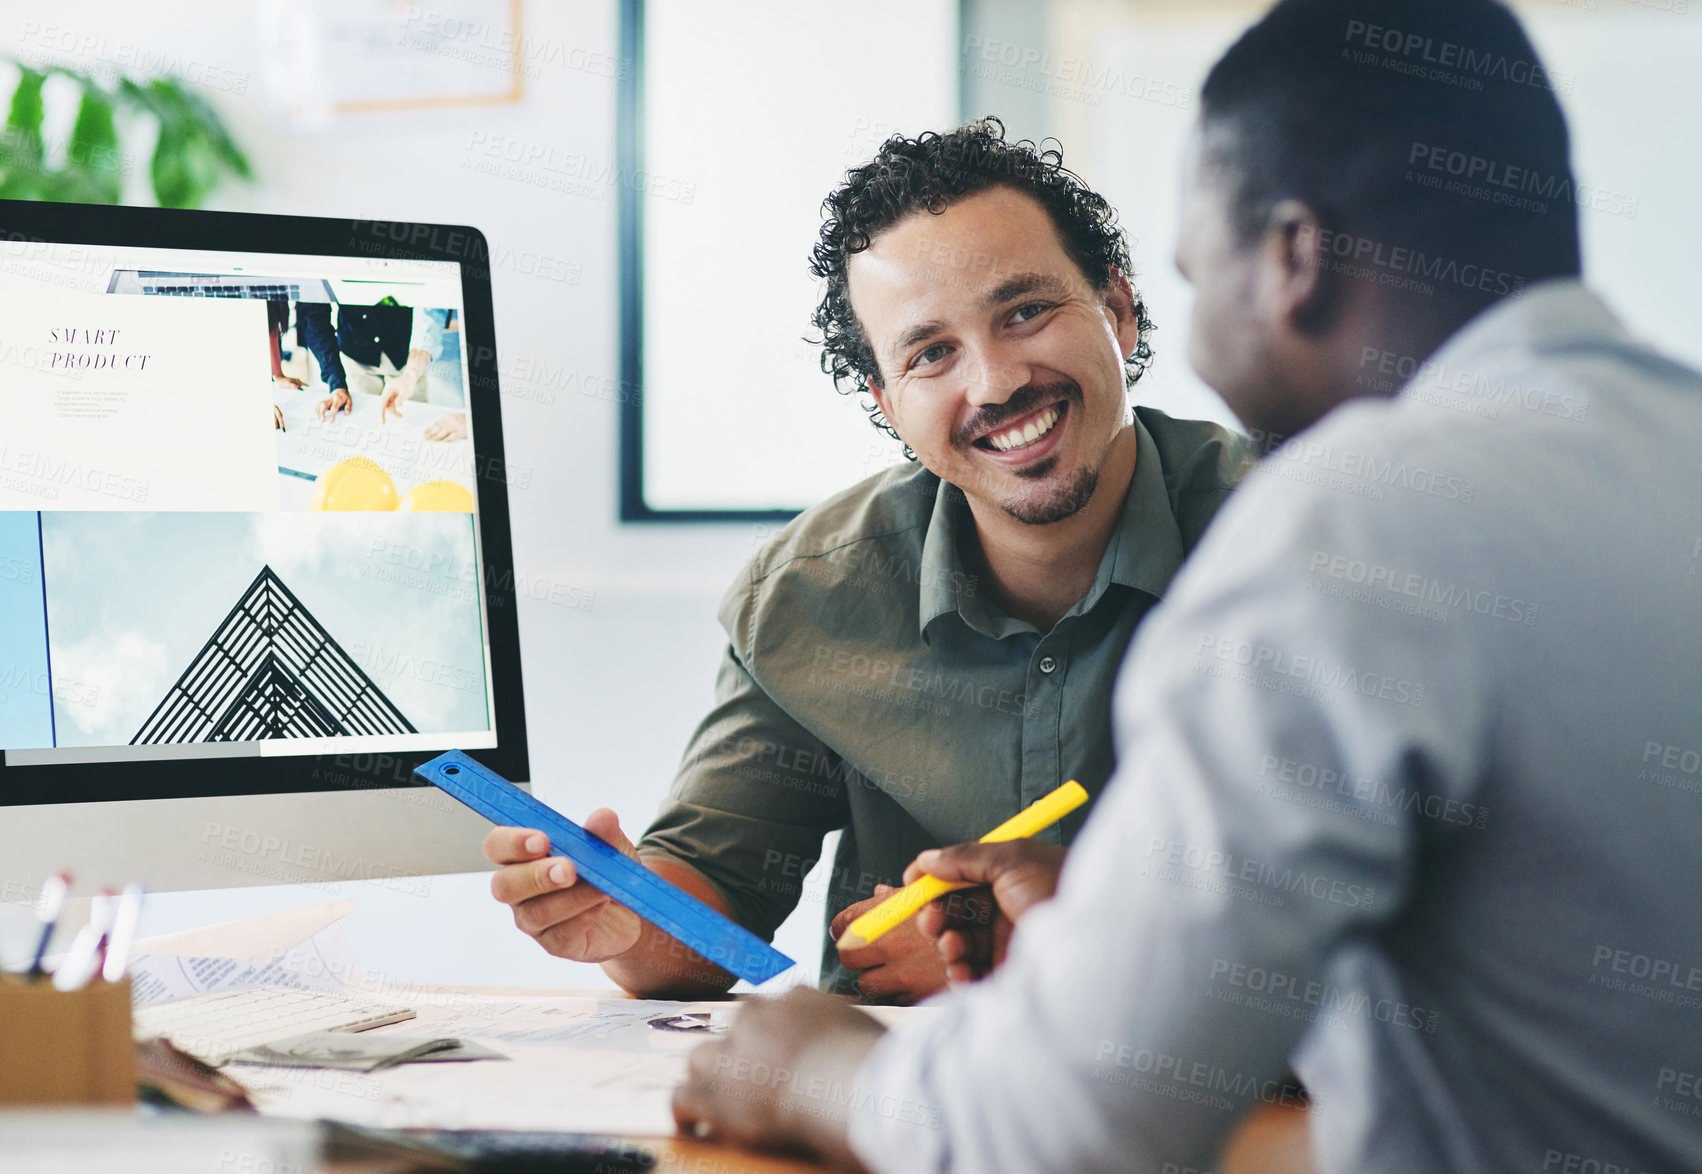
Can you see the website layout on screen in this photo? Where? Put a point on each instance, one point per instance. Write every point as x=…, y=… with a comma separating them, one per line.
x=239, y=507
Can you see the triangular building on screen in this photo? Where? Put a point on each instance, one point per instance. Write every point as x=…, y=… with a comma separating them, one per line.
x=270, y=670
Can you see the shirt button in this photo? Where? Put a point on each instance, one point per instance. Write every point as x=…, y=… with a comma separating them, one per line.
x=1047, y=664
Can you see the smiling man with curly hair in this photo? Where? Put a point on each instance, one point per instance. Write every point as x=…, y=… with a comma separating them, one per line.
x=920, y=656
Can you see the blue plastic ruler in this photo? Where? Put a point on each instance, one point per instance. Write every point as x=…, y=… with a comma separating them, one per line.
x=723, y=942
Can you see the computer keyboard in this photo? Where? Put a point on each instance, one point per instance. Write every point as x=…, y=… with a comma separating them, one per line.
x=214, y=1026
x=276, y=292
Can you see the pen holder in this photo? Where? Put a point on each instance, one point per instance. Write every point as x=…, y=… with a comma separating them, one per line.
x=66, y=1047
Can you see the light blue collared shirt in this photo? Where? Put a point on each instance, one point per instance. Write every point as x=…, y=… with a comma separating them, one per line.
x=1409, y=795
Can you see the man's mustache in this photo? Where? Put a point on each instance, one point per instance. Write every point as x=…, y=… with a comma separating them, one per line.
x=1023, y=401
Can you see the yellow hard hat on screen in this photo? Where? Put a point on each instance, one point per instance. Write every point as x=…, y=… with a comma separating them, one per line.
x=444, y=497
x=355, y=484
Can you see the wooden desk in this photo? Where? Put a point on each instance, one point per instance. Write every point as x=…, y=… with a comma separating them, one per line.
x=1273, y=1140
x=679, y=1155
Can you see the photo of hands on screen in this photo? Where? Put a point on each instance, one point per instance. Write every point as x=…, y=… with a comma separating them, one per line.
x=204, y=541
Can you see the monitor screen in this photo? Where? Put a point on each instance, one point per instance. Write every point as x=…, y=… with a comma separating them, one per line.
x=253, y=512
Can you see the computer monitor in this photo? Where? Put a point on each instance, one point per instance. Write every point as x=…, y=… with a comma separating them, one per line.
x=254, y=547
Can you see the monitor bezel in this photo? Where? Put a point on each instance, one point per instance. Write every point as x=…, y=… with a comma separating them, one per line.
x=88, y=224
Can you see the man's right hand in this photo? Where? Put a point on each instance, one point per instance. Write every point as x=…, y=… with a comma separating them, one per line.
x=972, y=927
x=550, y=903
x=337, y=401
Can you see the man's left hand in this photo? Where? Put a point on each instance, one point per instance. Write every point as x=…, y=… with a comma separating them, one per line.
x=783, y=1078
x=901, y=966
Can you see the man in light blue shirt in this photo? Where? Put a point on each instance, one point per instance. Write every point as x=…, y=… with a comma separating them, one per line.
x=1408, y=794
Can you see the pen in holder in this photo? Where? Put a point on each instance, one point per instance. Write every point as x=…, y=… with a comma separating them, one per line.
x=66, y=1047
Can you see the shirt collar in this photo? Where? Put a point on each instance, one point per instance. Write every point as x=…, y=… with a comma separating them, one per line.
x=945, y=584
x=1541, y=316
x=1144, y=553
x=1146, y=548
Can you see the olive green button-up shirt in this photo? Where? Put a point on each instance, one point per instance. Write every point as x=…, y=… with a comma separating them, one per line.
x=873, y=685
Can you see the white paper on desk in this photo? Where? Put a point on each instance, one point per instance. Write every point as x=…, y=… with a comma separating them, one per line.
x=299, y=948
x=893, y=1018
x=576, y=1064
x=396, y=442
x=561, y=1088
x=536, y=1019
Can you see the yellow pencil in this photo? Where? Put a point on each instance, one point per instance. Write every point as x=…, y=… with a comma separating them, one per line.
x=902, y=905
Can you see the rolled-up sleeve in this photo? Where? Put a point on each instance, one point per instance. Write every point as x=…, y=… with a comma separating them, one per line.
x=1117, y=1036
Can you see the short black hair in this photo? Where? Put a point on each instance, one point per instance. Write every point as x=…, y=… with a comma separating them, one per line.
x=1425, y=135
x=930, y=173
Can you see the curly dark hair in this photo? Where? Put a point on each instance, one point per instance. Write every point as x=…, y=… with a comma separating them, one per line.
x=932, y=171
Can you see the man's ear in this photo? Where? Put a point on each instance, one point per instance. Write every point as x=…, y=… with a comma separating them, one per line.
x=1125, y=320
x=1296, y=289
x=879, y=393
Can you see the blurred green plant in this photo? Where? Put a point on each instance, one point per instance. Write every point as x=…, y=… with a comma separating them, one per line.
x=193, y=152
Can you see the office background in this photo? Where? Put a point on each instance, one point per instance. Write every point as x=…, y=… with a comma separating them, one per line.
x=617, y=620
